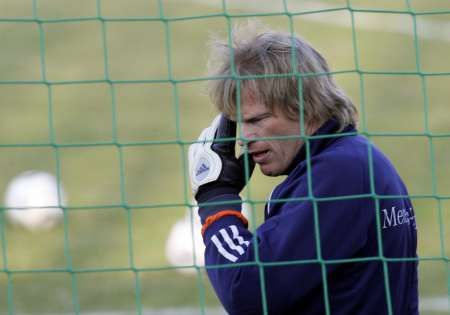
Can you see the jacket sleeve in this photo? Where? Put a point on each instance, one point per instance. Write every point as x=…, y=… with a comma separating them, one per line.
x=281, y=263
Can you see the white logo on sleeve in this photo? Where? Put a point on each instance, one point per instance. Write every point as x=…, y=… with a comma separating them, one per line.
x=230, y=247
x=395, y=217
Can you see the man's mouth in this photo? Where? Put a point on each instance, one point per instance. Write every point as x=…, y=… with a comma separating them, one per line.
x=260, y=156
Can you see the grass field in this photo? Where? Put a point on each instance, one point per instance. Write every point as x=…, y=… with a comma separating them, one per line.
x=123, y=94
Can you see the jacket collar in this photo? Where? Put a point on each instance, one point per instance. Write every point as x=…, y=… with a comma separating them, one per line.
x=316, y=145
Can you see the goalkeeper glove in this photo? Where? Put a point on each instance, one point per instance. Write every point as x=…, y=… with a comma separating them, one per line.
x=215, y=172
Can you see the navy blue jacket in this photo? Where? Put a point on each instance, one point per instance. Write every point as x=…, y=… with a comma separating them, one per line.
x=336, y=234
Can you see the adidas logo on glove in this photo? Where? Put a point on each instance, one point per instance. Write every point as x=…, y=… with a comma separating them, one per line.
x=202, y=170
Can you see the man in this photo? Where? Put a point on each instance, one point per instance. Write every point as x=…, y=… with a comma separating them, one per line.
x=339, y=235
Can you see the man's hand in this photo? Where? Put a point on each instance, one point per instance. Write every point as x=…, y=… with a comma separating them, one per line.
x=213, y=167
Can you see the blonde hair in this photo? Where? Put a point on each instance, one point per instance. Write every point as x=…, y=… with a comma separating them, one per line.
x=266, y=59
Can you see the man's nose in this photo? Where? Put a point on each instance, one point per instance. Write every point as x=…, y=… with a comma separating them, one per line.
x=246, y=133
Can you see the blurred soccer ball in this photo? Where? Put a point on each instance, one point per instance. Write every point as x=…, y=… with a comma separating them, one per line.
x=185, y=242
x=32, y=200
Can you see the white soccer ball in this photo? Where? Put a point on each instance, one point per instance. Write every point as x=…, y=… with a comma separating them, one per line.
x=185, y=241
x=32, y=200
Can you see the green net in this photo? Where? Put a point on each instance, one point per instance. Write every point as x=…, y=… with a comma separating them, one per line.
x=108, y=95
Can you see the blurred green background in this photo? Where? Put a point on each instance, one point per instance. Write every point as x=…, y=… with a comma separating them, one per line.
x=117, y=147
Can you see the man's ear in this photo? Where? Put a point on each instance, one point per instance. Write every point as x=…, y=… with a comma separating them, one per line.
x=311, y=127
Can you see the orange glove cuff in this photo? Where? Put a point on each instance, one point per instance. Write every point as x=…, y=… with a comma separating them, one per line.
x=211, y=219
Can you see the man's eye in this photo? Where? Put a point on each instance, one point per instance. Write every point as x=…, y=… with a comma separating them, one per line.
x=258, y=119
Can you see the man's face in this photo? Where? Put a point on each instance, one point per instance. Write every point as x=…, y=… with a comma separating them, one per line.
x=258, y=121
